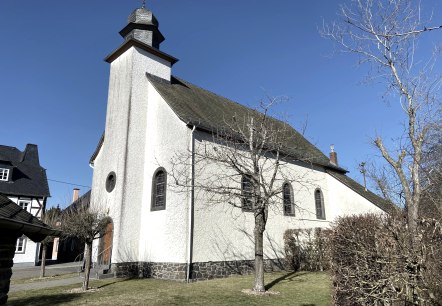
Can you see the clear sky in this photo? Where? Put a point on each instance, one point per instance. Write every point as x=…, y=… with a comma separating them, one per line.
x=54, y=82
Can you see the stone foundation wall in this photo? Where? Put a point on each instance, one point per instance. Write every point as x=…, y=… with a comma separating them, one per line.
x=199, y=270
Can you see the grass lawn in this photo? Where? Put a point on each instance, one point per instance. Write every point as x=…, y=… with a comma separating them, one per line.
x=302, y=288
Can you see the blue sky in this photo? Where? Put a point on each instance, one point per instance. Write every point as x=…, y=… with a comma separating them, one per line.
x=54, y=82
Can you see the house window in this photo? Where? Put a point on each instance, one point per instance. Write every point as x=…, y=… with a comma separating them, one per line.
x=287, y=197
x=25, y=204
x=247, y=193
x=319, y=202
x=4, y=174
x=159, y=189
x=20, y=245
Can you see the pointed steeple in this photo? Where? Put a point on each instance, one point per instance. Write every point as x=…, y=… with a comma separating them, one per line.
x=143, y=26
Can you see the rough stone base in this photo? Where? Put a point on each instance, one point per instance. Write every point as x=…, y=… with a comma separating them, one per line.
x=199, y=270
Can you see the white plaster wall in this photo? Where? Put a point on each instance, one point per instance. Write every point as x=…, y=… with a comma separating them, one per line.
x=223, y=232
x=30, y=255
x=164, y=233
x=344, y=201
x=127, y=136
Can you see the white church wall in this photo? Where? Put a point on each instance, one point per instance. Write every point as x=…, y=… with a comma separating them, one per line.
x=123, y=148
x=164, y=233
x=345, y=201
x=223, y=232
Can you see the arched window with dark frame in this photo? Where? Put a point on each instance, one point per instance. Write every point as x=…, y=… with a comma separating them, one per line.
x=247, y=193
x=319, y=203
x=159, y=183
x=288, y=201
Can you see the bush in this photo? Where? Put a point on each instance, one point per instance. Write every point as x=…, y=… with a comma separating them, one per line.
x=376, y=261
x=306, y=249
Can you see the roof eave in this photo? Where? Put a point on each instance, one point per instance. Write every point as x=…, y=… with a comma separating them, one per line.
x=136, y=43
x=35, y=232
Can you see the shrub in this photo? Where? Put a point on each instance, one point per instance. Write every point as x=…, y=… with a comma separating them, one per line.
x=306, y=249
x=376, y=261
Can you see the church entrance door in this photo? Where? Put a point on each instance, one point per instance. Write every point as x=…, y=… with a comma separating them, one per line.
x=106, y=245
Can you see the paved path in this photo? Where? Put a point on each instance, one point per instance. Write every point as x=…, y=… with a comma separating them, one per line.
x=20, y=272
x=46, y=284
x=24, y=272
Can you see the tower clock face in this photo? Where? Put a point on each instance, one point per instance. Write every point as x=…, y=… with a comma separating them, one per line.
x=110, y=181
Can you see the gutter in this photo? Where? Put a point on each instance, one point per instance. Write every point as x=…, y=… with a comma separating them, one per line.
x=191, y=207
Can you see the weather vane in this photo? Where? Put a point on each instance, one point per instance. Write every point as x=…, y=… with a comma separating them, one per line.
x=143, y=4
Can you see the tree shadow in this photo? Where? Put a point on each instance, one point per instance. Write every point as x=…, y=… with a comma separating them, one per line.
x=289, y=276
x=44, y=300
x=120, y=280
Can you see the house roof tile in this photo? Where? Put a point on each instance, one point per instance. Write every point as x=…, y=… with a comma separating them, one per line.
x=28, y=177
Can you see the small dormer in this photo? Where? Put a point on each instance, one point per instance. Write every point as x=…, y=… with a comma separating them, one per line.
x=5, y=171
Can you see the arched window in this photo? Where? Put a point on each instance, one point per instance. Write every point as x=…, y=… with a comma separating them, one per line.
x=247, y=193
x=159, y=183
x=287, y=197
x=319, y=202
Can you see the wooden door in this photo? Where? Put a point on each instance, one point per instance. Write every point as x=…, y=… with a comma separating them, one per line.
x=107, y=244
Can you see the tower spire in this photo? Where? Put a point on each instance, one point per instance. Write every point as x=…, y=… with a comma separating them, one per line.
x=143, y=26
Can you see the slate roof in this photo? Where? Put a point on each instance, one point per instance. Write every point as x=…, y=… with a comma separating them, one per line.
x=15, y=218
x=28, y=177
x=85, y=199
x=211, y=112
x=358, y=188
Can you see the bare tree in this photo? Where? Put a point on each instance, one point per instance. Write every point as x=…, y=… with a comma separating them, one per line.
x=245, y=165
x=431, y=202
x=50, y=217
x=385, y=34
x=87, y=224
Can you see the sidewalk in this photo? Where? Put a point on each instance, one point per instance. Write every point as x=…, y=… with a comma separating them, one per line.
x=20, y=272
x=46, y=284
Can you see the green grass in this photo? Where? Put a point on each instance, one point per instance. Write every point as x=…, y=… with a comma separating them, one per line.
x=302, y=288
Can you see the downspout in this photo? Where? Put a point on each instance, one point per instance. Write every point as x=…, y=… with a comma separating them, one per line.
x=191, y=205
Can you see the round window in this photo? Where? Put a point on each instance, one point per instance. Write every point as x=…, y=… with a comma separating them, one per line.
x=110, y=181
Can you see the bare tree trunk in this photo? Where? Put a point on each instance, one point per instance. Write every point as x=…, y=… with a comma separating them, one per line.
x=87, y=269
x=259, y=252
x=43, y=260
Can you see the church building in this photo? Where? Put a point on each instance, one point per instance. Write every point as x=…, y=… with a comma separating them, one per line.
x=157, y=231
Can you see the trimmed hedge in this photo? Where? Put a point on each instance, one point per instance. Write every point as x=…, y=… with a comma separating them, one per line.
x=376, y=261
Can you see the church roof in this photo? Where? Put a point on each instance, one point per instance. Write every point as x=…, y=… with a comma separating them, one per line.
x=15, y=218
x=208, y=111
x=28, y=177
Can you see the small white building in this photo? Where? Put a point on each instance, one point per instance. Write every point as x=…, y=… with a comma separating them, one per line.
x=24, y=182
x=151, y=117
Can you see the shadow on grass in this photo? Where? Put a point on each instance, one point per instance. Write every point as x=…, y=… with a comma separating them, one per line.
x=286, y=277
x=44, y=300
x=116, y=281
